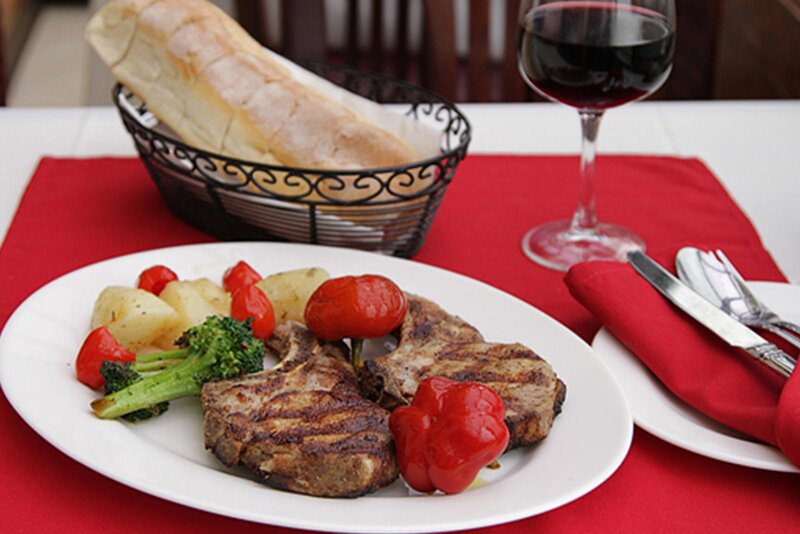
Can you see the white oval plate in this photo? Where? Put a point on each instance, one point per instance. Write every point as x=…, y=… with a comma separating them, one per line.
x=165, y=457
x=660, y=412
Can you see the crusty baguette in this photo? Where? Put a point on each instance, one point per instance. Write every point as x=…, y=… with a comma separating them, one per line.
x=202, y=75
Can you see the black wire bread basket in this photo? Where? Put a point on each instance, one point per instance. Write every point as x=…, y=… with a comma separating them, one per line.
x=388, y=210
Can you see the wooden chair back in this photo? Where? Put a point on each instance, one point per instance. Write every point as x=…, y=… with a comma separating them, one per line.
x=475, y=76
x=438, y=64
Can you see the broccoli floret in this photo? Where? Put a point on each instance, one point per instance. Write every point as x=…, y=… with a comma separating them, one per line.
x=118, y=376
x=221, y=347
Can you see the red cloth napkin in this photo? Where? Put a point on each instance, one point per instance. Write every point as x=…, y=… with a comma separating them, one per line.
x=692, y=362
x=787, y=419
x=76, y=212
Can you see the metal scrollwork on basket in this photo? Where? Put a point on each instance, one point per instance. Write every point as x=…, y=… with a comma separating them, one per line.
x=388, y=210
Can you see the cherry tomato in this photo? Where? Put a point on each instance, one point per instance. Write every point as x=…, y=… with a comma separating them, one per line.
x=98, y=347
x=238, y=276
x=153, y=279
x=366, y=306
x=250, y=302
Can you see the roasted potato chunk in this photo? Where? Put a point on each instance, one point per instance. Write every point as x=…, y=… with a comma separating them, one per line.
x=213, y=294
x=136, y=318
x=187, y=298
x=289, y=291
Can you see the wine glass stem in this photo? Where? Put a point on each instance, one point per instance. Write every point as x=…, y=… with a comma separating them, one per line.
x=584, y=221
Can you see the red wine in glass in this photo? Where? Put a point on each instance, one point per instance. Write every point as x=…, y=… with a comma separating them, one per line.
x=595, y=55
x=591, y=55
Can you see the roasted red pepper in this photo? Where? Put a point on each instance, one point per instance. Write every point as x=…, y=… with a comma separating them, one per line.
x=449, y=432
x=358, y=307
x=99, y=346
x=250, y=302
x=153, y=279
x=239, y=276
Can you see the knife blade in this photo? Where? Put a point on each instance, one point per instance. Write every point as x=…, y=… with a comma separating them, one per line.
x=727, y=328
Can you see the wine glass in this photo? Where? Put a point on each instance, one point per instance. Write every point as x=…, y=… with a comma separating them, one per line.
x=591, y=55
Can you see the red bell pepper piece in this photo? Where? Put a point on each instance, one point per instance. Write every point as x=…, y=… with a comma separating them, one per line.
x=153, y=279
x=239, y=276
x=358, y=307
x=99, y=346
x=250, y=302
x=449, y=432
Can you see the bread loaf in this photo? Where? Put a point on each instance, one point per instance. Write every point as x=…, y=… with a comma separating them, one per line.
x=203, y=76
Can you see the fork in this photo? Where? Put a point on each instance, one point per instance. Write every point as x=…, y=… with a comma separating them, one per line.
x=761, y=315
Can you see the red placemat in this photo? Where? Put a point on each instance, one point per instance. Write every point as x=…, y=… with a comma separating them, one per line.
x=77, y=212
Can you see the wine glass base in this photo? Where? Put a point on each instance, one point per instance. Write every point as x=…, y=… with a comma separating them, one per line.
x=556, y=246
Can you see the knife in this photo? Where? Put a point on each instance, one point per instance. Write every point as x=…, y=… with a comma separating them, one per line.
x=729, y=329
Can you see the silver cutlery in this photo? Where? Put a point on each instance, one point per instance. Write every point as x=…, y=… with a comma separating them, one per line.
x=720, y=323
x=714, y=277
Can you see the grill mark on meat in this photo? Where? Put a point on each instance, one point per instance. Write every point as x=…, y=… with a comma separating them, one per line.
x=486, y=377
x=517, y=352
x=348, y=428
x=349, y=444
x=353, y=433
x=422, y=331
x=325, y=404
x=511, y=351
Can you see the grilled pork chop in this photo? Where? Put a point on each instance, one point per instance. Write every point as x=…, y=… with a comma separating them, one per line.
x=435, y=343
x=302, y=425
